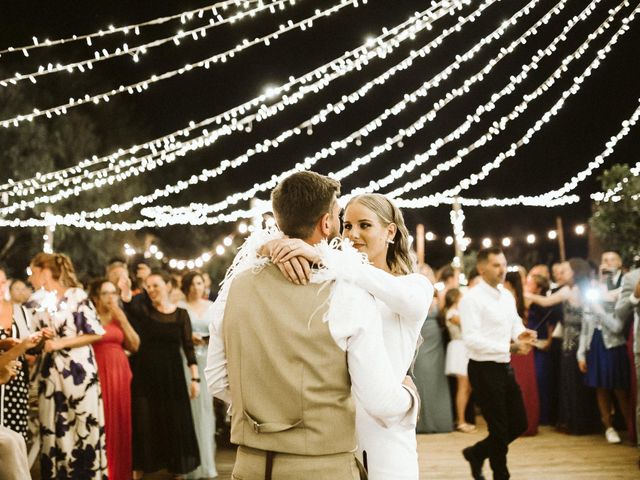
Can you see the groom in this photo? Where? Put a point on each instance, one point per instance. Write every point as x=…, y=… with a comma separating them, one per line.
x=288, y=374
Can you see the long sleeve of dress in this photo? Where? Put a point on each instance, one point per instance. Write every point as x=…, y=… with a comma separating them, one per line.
x=409, y=296
x=187, y=337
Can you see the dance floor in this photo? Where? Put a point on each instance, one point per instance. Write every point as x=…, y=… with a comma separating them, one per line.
x=549, y=455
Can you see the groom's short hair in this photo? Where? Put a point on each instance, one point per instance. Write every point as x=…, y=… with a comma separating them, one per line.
x=300, y=200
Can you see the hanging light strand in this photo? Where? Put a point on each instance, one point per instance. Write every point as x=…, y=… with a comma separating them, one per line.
x=323, y=153
x=139, y=87
x=343, y=64
x=339, y=107
x=572, y=90
x=499, y=126
x=110, y=30
x=546, y=117
x=136, y=51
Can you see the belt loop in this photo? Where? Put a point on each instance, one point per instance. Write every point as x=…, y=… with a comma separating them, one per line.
x=268, y=467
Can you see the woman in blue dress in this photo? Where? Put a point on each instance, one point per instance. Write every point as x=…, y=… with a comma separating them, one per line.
x=200, y=312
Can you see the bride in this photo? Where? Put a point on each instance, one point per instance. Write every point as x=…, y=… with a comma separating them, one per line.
x=376, y=228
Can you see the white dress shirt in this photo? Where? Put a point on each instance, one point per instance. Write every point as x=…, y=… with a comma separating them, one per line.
x=489, y=322
x=355, y=324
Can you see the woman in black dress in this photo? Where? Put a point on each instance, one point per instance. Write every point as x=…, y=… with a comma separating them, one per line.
x=163, y=432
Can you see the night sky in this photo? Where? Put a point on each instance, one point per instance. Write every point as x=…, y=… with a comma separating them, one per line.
x=562, y=148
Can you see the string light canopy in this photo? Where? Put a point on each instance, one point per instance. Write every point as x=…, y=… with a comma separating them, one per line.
x=549, y=199
x=445, y=197
x=371, y=126
x=320, y=77
x=139, y=87
x=499, y=126
x=184, y=17
x=138, y=50
x=199, y=209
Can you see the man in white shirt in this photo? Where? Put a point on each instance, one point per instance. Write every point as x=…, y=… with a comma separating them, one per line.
x=289, y=374
x=490, y=322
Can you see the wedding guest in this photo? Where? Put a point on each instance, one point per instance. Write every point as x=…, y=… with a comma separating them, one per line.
x=602, y=356
x=429, y=367
x=542, y=320
x=70, y=401
x=628, y=311
x=14, y=464
x=201, y=315
x=163, y=431
x=14, y=326
x=19, y=292
x=489, y=322
x=457, y=359
x=524, y=364
x=577, y=410
x=115, y=376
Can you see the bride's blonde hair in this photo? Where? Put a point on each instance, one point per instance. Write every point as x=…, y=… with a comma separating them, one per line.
x=399, y=256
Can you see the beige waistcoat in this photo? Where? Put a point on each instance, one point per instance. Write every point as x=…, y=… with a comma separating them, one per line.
x=289, y=382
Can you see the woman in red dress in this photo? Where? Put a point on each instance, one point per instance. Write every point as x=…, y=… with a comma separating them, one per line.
x=524, y=366
x=115, y=376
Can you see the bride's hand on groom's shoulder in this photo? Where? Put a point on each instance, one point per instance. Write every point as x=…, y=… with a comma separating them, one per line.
x=297, y=270
x=283, y=250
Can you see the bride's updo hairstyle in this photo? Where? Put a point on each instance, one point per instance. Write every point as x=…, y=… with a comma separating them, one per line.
x=60, y=266
x=399, y=256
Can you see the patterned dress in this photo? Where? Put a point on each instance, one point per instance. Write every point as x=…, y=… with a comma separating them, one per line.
x=14, y=407
x=70, y=399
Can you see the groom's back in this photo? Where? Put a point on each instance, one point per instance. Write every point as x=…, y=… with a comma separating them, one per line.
x=290, y=387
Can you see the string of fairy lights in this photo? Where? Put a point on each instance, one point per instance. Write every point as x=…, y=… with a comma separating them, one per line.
x=264, y=146
x=226, y=244
x=575, y=87
x=197, y=210
x=499, y=126
x=336, y=146
x=184, y=17
x=378, y=47
x=215, y=220
x=136, y=51
x=90, y=173
x=200, y=209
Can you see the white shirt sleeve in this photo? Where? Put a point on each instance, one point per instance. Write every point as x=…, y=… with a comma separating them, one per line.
x=373, y=382
x=215, y=371
x=474, y=338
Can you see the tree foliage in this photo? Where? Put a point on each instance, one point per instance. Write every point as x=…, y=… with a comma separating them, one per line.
x=50, y=144
x=616, y=222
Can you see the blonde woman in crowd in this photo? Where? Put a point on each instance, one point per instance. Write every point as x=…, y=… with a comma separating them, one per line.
x=70, y=400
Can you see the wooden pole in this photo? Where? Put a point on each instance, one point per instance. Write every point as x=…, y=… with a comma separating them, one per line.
x=420, y=244
x=561, y=245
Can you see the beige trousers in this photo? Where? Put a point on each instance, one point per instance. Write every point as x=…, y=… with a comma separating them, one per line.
x=250, y=465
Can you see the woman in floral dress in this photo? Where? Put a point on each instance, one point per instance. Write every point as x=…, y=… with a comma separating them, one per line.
x=70, y=400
